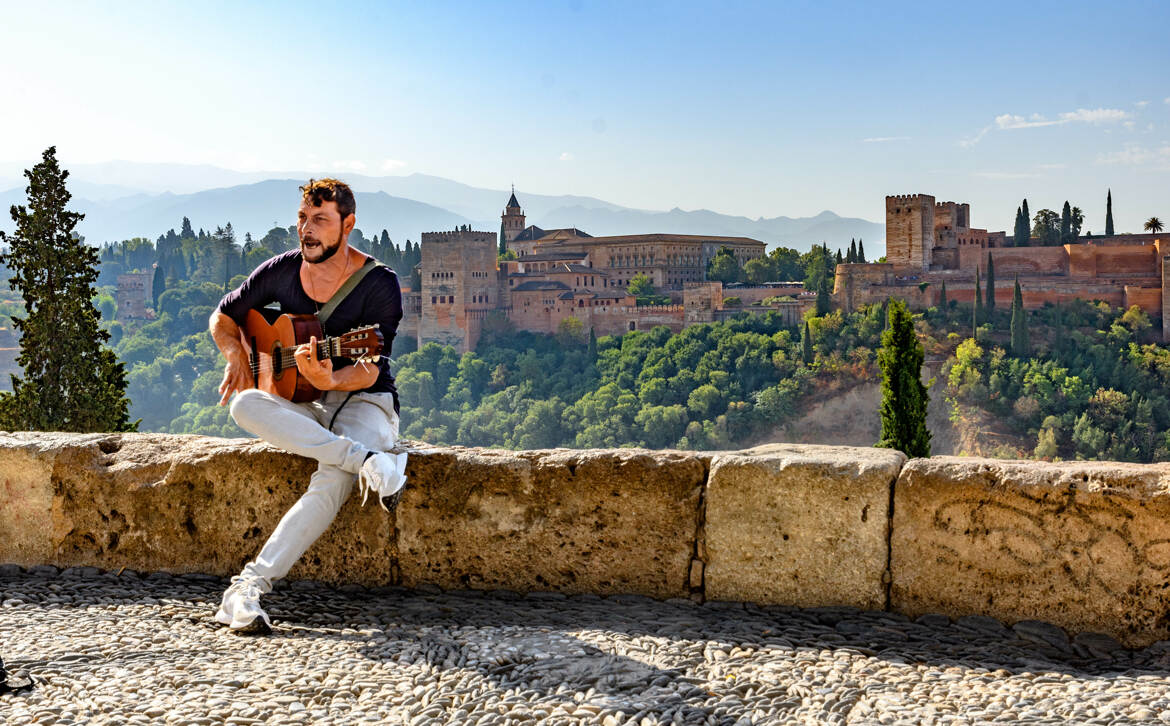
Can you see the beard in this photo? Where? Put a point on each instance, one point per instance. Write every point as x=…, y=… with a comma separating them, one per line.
x=325, y=250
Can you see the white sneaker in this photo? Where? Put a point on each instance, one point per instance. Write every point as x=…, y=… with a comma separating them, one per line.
x=385, y=475
x=240, y=609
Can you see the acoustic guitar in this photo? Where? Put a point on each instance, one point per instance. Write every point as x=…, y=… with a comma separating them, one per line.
x=271, y=339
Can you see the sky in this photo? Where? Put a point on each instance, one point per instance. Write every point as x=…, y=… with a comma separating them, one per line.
x=757, y=109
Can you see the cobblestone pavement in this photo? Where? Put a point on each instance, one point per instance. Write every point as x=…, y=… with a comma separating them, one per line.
x=130, y=649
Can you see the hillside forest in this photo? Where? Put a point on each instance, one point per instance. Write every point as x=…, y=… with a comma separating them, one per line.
x=1091, y=384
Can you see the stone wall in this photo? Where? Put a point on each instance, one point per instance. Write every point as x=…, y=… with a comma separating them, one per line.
x=1082, y=545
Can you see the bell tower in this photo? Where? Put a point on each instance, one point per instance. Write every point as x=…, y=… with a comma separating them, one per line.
x=512, y=220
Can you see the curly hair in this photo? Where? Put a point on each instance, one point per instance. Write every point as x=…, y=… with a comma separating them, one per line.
x=319, y=191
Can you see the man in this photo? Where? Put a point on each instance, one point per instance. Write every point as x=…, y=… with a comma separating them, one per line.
x=350, y=427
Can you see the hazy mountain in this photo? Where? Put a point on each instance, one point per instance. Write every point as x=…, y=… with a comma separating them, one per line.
x=129, y=199
x=254, y=208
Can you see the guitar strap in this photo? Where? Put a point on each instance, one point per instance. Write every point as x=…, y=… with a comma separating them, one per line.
x=327, y=310
x=346, y=288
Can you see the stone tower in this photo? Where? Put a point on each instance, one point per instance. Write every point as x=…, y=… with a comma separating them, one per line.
x=513, y=218
x=459, y=287
x=910, y=230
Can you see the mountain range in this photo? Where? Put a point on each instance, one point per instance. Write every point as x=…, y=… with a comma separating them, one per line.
x=122, y=200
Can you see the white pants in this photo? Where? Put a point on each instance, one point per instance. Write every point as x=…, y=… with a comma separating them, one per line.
x=366, y=423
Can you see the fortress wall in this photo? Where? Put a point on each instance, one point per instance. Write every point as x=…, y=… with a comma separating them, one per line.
x=1015, y=260
x=1128, y=260
x=1079, y=544
x=1149, y=299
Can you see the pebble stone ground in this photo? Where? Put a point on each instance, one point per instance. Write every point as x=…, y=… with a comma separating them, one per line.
x=135, y=649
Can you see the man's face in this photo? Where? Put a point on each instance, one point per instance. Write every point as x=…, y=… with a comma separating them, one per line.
x=321, y=231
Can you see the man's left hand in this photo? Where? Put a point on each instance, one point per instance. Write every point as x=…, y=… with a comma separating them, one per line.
x=317, y=372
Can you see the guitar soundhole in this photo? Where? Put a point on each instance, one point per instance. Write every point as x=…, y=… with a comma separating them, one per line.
x=277, y=363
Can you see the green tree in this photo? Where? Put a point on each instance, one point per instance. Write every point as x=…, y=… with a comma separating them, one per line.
x=158, y=285
x=860, y=250
x=723, y=267
x=806, y=346
x=71, y=381
x=640, y=285
x=1078, y=221
x=1022, y=232
x=503, y=245
x=904, y=398
x=1020, y=347
x=852, y=257
x=1066, y=224
x=1046, y=227
x=1109, y=212
x=824, y=297
x=942, y=296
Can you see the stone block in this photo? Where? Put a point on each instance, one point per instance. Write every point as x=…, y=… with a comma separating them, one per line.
x=29, y=522
x=573, y=521
x=1083, y=545
x=182, y=504
x=799, y=525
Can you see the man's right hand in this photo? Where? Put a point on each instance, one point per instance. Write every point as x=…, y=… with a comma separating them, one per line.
x=237, y=376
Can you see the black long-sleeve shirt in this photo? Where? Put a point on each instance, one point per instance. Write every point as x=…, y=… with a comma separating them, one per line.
x=376, y=299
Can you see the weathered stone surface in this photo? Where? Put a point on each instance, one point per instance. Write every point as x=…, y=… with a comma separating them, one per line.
x=1084, y=545
x=599, y=521
x=799, y=525
x=178, y=503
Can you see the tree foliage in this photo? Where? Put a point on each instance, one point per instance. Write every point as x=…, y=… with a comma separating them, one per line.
x=70, y=381
x=904, y=398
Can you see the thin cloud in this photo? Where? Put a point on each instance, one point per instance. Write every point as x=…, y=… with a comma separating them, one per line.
x=883, y=139
x=1135, y=155
x=353, y=165
x=392, y=164
x=1010, y=121
x=1006, y=175
x=1053, y=166
x=1142, y=104
x=565, y=156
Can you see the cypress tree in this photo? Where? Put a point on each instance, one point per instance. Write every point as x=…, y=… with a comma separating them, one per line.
x=806, y=346
x=840, y=259
x=1021, y=229
x=1020, y=346
x=1027, y=225
x=990, y=306
x=1109, y=212
x=942, y=296
x=187, y=231
x=824, y=299
x=503, y=245
x=158, y=285
x=1066, y=224
x=904, y=398
x=860, y=250
x=852, y=251
x=71, y=381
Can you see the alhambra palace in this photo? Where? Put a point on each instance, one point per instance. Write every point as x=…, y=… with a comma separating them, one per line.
x=566, y=273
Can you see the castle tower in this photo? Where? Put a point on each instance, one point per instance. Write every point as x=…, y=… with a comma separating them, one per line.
x=512, y=219
x=459, y=288
x=910, y=230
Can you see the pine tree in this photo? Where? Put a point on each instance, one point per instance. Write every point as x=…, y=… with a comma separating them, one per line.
x=1109, y=212
x=860, y=250
x=806, y=346
x=904, y=398
x=1020, y=345
x=187, y=231
x=990, y=306
x=71, y=382
x=1066, y=224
